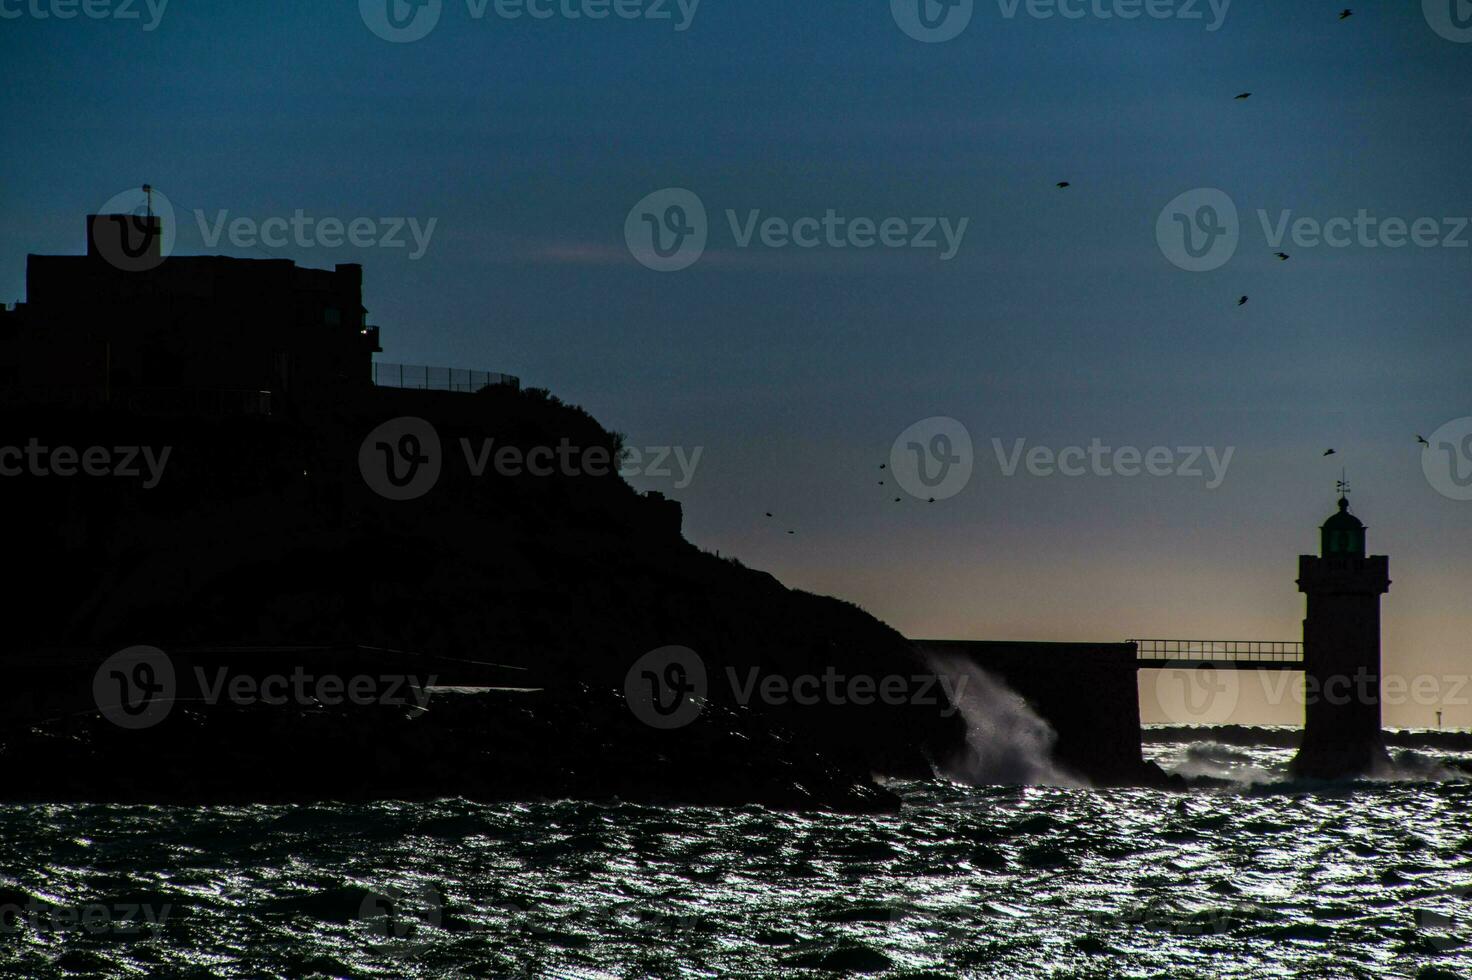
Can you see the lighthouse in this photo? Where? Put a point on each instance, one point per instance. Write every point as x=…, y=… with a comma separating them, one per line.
x=1341, y=651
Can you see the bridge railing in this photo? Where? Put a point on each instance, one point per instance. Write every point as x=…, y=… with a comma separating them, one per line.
x=438, y=378
x=1255, y=651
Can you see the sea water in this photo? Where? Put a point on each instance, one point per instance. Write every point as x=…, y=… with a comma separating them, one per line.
x=1259, y=878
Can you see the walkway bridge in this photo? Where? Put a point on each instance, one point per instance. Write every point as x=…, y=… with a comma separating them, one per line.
x=1219, y=654
x=438, y=378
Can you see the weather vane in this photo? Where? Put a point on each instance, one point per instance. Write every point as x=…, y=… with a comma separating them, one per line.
x=1342, y=485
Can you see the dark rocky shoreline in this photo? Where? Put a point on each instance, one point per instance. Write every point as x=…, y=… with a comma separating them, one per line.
x=262, y=534
x=488, y=746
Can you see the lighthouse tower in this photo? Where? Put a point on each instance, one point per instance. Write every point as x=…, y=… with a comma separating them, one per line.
x=1341, y=651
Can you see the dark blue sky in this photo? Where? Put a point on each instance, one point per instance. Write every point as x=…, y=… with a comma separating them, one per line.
x=1059, y=320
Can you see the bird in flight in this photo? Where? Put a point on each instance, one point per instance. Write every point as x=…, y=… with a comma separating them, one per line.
x=1346, y=14
x=1329, y=452
x=897, y=500
x=931, y=500
x=1242, y=301
x=881, y=466
x=1244, y=95
x=791, y=532
x=1064, y=183
x=769, y=513
x=1282, y=256
x=1422, y=440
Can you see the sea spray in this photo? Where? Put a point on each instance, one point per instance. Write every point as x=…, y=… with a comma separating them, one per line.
x=1256, y=757
x=1007, y=743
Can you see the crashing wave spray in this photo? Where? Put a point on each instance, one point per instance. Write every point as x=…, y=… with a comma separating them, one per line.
x=1006, y=742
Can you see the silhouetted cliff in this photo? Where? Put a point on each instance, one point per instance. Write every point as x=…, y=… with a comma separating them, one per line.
x=262, y=531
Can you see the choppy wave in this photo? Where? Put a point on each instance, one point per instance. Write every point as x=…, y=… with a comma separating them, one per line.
x=1370, y=879
x=1285, y=736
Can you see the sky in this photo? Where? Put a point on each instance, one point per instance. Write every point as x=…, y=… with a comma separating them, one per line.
x=1063, y=318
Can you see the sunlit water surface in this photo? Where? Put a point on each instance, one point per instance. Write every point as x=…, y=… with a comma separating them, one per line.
x=1256, y=881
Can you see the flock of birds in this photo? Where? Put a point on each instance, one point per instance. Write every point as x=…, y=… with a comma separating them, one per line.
x=1241, y=301
x=882, y=466
x=1344, y=14
x=1420, y=440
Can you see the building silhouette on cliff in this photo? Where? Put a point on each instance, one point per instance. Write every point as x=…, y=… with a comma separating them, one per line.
x=127, y=326
x=258, y=335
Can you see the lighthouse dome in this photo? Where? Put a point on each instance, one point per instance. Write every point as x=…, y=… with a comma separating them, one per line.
x=1343, y=533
